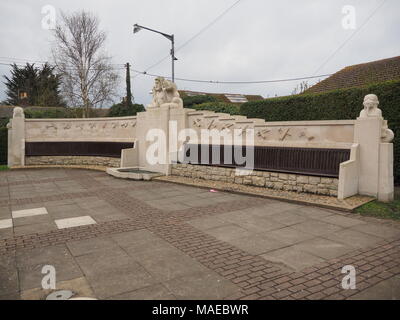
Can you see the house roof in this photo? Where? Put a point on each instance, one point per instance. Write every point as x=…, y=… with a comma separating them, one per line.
x=360, y=75
x=223, y=97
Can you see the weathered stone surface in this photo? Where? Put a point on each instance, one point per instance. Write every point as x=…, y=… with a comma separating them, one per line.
x=73, y=160
x=302, y=179
x=272, y=180
x=314, y=180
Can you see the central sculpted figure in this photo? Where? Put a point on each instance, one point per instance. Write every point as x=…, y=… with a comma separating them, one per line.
x=371, y=109
x=165, y=94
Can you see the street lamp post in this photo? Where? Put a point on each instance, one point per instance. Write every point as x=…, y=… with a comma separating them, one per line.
x=137, y=28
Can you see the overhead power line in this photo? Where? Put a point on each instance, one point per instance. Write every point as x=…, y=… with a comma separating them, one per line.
x=351, y=36
x=195, y=35
x=234, y=82
x=120, y=66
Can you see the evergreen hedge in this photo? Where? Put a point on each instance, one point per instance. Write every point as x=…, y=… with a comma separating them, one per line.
x=190, y=101
x=121, y=110
x=223, y=107
x=333, y=105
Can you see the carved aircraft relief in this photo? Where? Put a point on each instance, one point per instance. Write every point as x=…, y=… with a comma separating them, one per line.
x=243, y=130
x=303, y=134
x=284, y=133
x=197, y=123
x=51, y=126
x=263, y=133
x=212, y=125
x=227, y=126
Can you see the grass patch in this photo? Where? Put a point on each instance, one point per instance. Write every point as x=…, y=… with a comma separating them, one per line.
x=3, y=167
x=382, y=210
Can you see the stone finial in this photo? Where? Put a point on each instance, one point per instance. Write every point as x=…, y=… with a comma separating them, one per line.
x=371, y=109
x=18, y=112
x=165, y=93
x=387, y=134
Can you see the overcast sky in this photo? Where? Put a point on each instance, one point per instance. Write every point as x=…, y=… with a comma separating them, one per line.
x=255, y=40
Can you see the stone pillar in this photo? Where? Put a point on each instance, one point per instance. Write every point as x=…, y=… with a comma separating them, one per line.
x=16, y=138
x=156, y=119
x=367, y=134
x=386, y=179
x=376, y=152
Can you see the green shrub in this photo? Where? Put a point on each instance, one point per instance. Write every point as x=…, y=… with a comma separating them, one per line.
x=121, y=110
x=49, y=113
x=190, y=101
x=333, y=105
x=222, y=107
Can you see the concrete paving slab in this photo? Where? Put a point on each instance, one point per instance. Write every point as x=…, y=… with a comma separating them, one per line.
x=8, y=275
x=165, y=263
x=118, y=280
x=6, y=233
x=6, y=223
x=207, y=222
x=138, y=239
x=82, y=247
x=257, y=224
x=79, y=286
x=323, y=248
x=316, y=228
x=378, y=230
x=153, y=292
x=34, y=228
x=201, y=286
x=313, y=212
x=30, y=275
x=32, y=220
x=29, y=212
x=103, y=260
x=353, y=238
x=74, y=222
x=288, y=218
x=228, y=232
x=293, y=258
x=342, y=221
x=289, y=235
x=257, y=244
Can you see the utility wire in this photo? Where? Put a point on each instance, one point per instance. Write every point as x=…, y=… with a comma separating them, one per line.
x=352, y=35
x=195, y=35
x=232, y=82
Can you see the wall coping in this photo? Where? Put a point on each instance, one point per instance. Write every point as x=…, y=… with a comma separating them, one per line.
x=80, y=119
x=82, y=140
x=308, y=123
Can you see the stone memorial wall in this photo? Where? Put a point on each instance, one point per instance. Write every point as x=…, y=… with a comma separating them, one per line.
x=337, y=158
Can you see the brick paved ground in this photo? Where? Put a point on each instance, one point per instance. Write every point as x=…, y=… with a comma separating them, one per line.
x=155, y=240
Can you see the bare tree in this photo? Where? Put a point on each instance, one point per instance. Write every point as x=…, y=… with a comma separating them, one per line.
x=301, y=88
x=88, y=79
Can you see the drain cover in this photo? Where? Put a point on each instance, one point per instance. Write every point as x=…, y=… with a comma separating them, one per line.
x=60, y=295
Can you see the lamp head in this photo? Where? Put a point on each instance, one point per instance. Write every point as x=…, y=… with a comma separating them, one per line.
x=136, y=28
